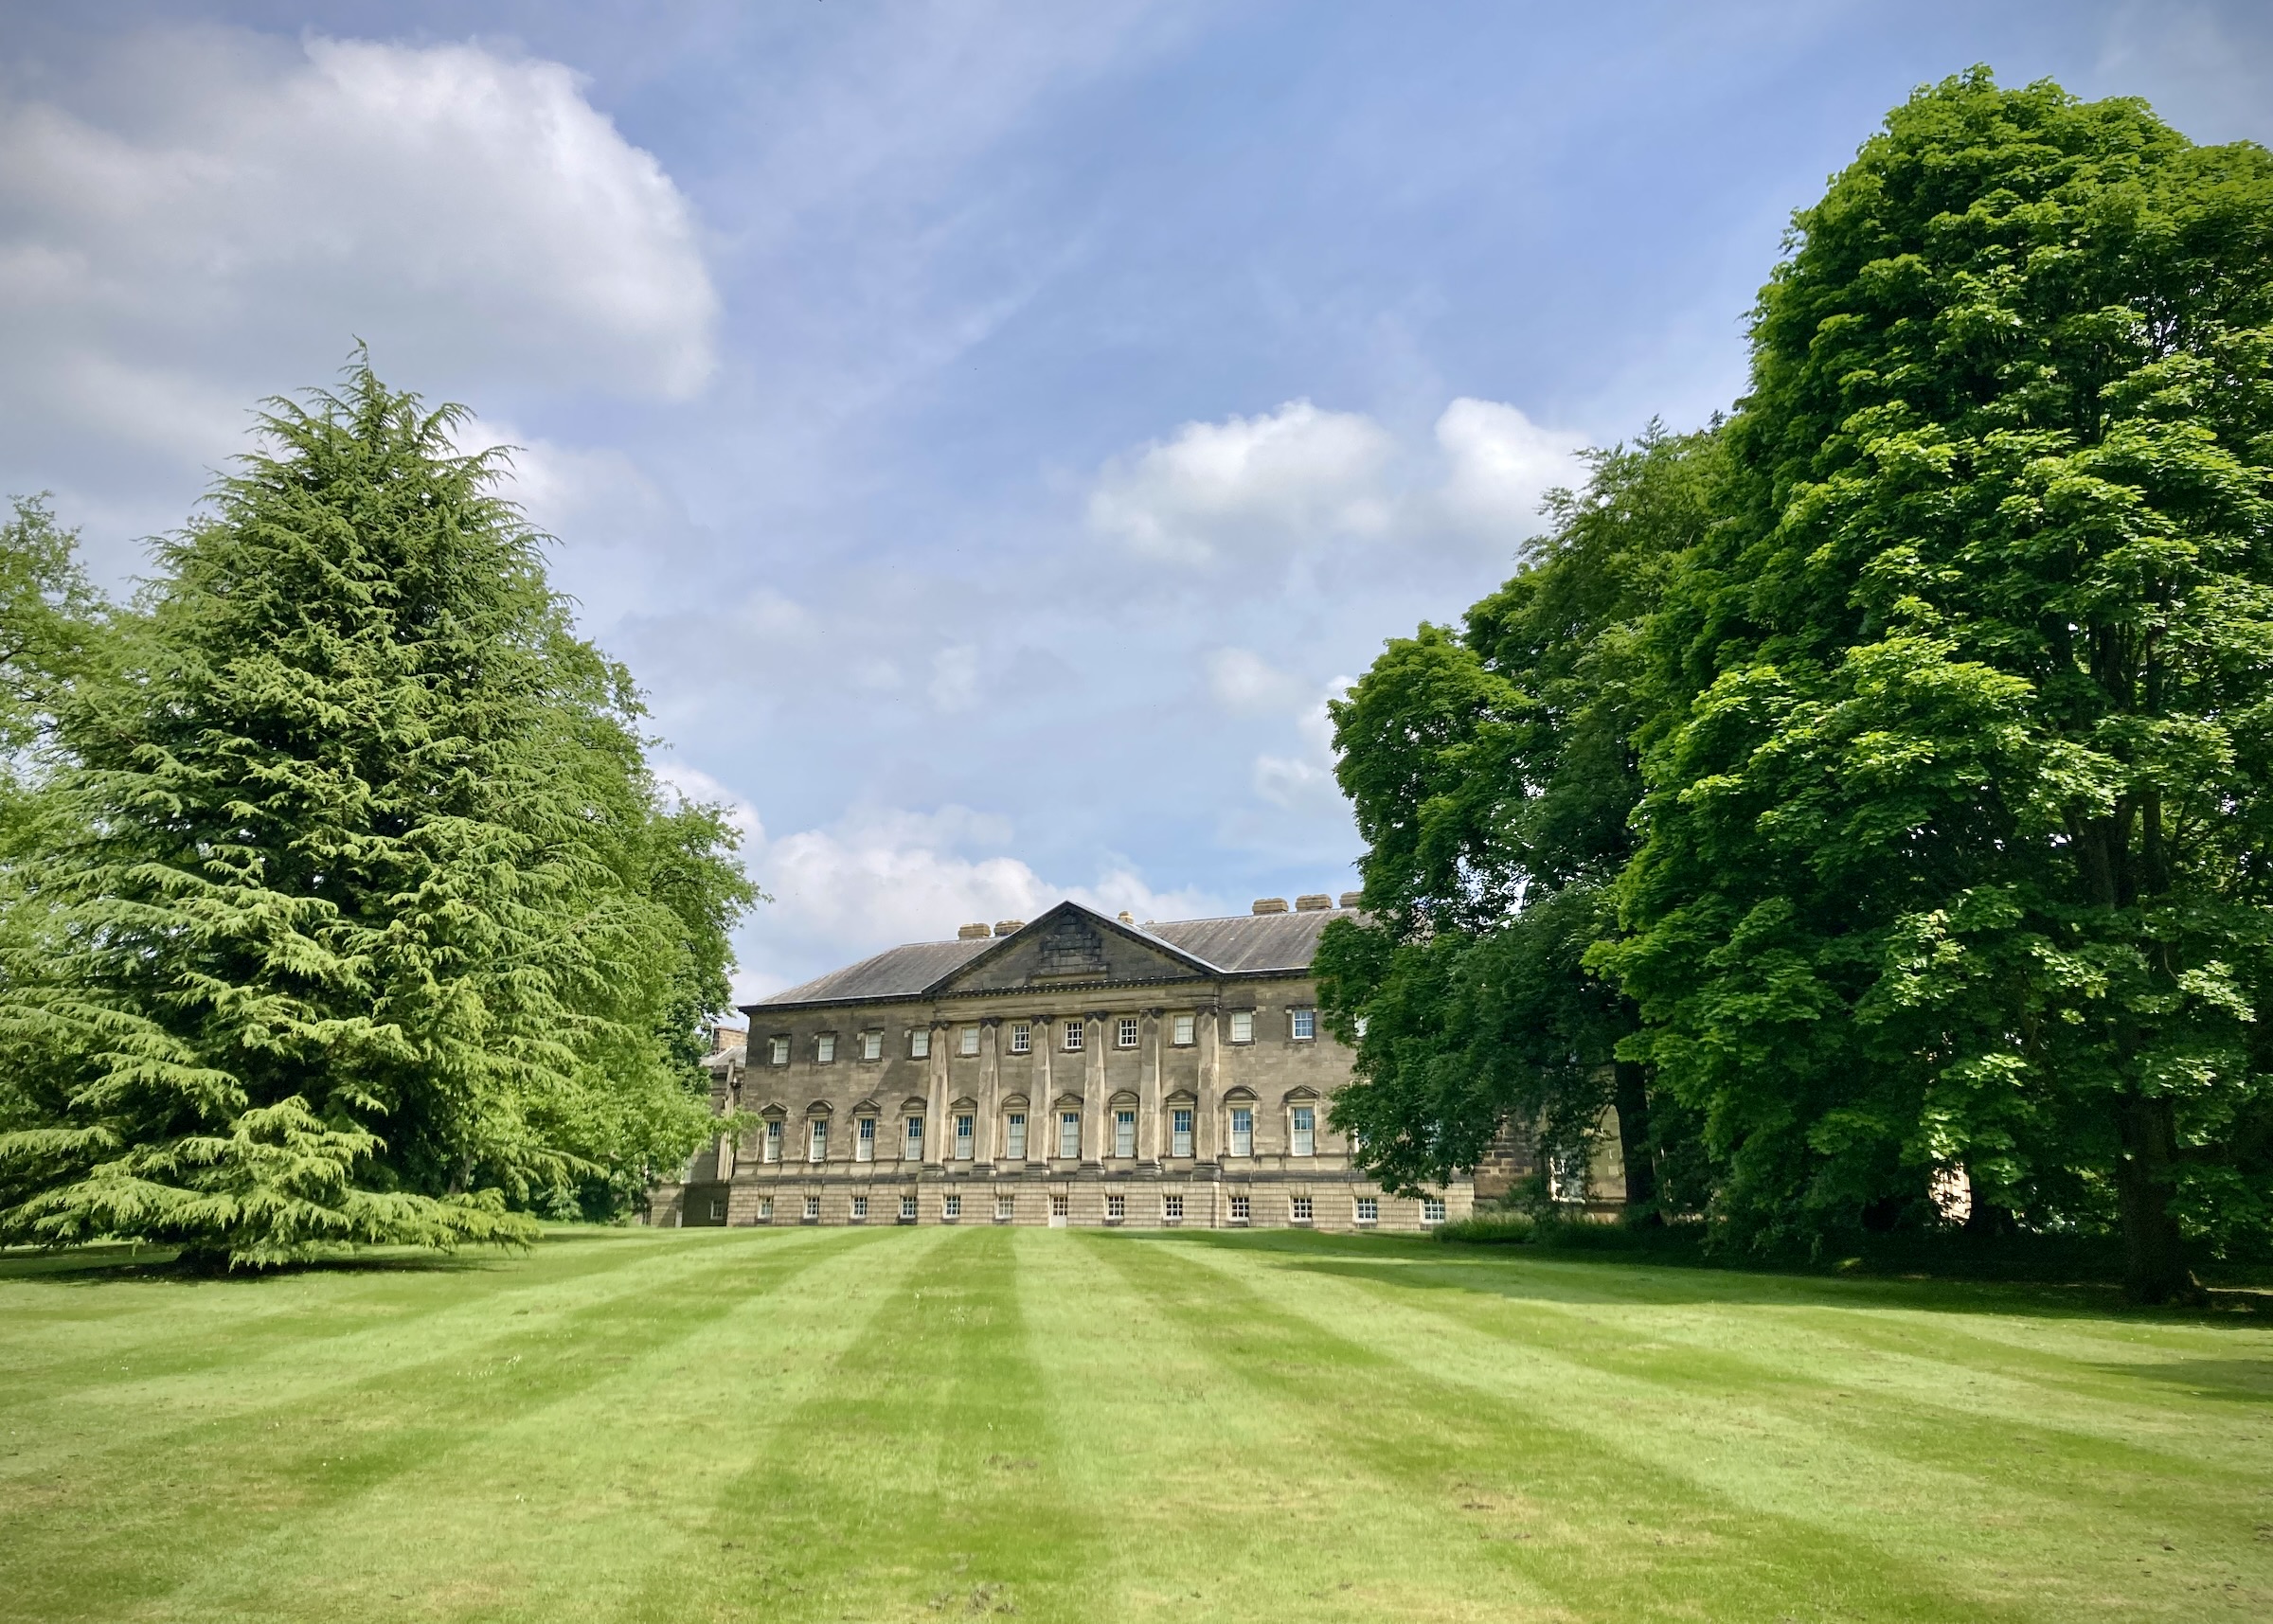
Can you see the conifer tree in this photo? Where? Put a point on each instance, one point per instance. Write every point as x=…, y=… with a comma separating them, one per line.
x=369, y=923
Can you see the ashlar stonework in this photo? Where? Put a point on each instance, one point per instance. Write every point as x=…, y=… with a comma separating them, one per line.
x=1074, y=1069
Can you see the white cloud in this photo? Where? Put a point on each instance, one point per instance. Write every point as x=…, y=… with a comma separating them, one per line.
x=1303, y=781
x=1301, y=480
x=877, y=878
x=1498, y=465
x=214, y=215
x=1244, y=683
x=1248, y=484
x=955, y=678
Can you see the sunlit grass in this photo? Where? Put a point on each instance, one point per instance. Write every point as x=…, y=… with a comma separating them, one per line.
x=890, y=1424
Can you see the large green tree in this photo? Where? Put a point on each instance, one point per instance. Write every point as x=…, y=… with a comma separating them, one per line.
x=1958, y=827
x=362, y=920
x=1493, y=773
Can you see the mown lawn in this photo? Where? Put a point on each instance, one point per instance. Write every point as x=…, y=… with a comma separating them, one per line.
x=897, y=1424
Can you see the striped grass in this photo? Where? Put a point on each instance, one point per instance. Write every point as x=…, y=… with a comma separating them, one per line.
x=921, y=1424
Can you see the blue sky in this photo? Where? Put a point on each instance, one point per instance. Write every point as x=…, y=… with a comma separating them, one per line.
x=989, y=430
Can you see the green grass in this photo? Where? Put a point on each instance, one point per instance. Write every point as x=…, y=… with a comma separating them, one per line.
x=916, y=1424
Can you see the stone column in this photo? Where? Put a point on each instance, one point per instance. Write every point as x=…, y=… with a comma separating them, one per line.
x=944, y=1037
x=1095, y=1131
x=1042, y=1116
x=1214, y=1062
x=1150, y=1129
x=990, y=1087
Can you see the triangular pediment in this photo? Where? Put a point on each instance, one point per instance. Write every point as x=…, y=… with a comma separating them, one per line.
x=1072, y=946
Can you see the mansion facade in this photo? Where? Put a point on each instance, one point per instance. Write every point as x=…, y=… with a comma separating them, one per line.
x=1076, y=1069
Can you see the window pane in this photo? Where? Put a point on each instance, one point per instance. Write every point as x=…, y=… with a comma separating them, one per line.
x=1243, y=1026
x=781, y=1051
x=966, y=1132
x=1069, y=1134
x=970, y=1040
x=1022, y=1038
x=1015, y=1137
x=914, y=1139
x=954, y=1208
x=824, y=1047
x=1179, y=1138
x=864, y=1140
x=1124, y=1133
x=1126, y=1033
x=1242, y=1132
x=1184, y=1025
x=871, y=1046
x=919, y=1042
x=1073, y=1037
x=820, y=1141
x=1306, y=1122
x=1306, y=1023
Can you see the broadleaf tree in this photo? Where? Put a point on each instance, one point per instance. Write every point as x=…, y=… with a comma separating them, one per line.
x=1493, y=772
x=1957, y=827
x=367, y=920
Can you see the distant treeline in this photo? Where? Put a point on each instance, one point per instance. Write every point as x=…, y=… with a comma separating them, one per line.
x=1868, y=794
x=337, y=901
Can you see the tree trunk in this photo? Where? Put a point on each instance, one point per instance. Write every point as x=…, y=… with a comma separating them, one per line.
x=1633, y=1099
x=2154, y=1269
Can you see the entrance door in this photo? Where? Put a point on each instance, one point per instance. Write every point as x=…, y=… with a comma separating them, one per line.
x=1058, y=1207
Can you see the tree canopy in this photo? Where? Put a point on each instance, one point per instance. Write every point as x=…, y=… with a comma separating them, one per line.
x=358, y=916
x=1951, y=713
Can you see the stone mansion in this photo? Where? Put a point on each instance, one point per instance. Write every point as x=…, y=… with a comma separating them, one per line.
x=1076, y=1069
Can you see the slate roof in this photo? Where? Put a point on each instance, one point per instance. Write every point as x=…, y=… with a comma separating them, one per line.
x=1243, y=944
x=895, y=972
x=1250, y=941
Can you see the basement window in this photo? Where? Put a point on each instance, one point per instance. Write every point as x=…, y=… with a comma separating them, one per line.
x=1241, y=1206
x=813, y=1210
x=1432, y=1210
x=951, y=1208
x=860, y=1209
x=1302, y=1206
x=1117, y=1208
x=1171, y=1209
x=1005, y=1208
x=908, y=1210
x=1368, y=1210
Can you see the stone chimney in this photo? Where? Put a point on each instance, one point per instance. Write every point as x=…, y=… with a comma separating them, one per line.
x=1270, y=905
x=1352, y=898
x=973, y=933
x=1316, y=903
x=1008, y=927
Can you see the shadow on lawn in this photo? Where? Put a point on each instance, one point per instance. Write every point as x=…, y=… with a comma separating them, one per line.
x=107, y=1262
x=2240, y=1381
x=1581, y=1278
